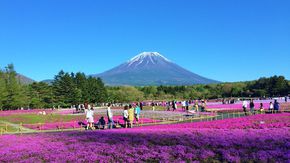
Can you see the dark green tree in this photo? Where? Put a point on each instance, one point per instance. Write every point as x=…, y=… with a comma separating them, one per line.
x=16, y=95
x=3, y=92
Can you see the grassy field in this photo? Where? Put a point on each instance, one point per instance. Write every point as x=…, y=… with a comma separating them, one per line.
x=157, y=108
x=33, y=118
x=7, y=128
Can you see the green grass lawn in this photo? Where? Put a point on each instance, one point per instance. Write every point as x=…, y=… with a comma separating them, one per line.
x=33, y=118
x=9, y=128
x=157, y=108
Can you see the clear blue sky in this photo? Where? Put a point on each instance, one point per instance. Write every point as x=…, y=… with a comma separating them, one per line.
x=233, y=40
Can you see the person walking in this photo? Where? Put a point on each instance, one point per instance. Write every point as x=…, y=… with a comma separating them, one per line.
x=131, y=116
x=110, y=117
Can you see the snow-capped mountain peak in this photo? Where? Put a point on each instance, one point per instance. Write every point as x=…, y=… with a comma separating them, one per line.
x=148, y=57
x=151, y=68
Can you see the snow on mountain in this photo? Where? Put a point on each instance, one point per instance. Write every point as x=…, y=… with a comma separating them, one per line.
x=151, y=68
x=149, y=56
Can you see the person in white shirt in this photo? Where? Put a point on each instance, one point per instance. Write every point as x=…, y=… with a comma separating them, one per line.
x=271, y=107
x=90, y=118
x=183, y=104
x=245, y=105
x=125, y=116
x=110, y=117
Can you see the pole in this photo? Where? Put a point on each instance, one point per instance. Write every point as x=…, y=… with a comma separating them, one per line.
x=20, y=130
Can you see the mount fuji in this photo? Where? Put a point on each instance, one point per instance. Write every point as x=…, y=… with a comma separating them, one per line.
x=151, y=68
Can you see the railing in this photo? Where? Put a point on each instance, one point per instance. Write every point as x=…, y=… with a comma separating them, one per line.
x=69, y=126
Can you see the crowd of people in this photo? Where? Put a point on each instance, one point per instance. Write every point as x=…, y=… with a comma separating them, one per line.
x=273, y=107
x=130, y=114
x=186, y=105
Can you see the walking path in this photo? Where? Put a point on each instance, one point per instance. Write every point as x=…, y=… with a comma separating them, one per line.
x=17, y=127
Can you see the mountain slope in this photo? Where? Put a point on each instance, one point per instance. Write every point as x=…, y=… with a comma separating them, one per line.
x=24, y=80
x=151, y=68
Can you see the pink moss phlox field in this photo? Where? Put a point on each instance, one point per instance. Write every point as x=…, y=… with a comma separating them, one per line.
x=261, y=121
x=120, y=120
x=235, y=106
x=202, y=141
x=53, y=125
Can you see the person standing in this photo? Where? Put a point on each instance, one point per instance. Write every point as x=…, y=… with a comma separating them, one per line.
x=131, y=115
x=168, y=105
x=174, y=107
x=183, y=105
x=245, y=105
x=252, y=107
x=187, y=105
x=137, y=114
x=271, y=106
x=276, y=106
x=141, y=105
x=125, y=116
x=196, y=105
x=203, y=106
x=110, y=117
x=86, y=107
x=90, y=118
x=153, y=106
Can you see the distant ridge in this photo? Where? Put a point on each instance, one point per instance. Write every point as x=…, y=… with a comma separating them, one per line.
x=151, y=68
x=48, y=81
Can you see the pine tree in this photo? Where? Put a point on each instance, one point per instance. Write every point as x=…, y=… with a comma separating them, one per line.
x=82, y=85
x=41, y=95
x=3, y=92
x=16, y=95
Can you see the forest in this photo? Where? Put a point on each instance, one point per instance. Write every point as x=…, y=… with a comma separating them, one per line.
x=75, y=88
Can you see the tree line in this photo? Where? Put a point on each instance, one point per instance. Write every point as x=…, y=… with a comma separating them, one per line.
x=75, y=88
x=67, y=89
